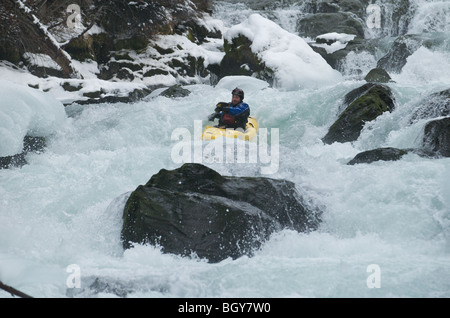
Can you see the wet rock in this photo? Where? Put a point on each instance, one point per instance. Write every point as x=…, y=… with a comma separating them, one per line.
x=378, y=75
x=239, y=59
x=433, y=106
x=195, y=210
x=437, y=137
x=401, y=49
x=322, y=23
x=371, y=101
x=380, y=154
x=30, y=144
x=175, y=91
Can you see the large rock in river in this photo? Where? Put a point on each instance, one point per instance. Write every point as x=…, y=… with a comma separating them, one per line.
x=195, y=210
x=365, y=104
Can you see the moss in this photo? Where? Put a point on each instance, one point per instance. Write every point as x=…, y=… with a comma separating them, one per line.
x=80, y=49
x=69, y=88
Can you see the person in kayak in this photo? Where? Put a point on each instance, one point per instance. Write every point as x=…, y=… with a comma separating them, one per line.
x=232, y=115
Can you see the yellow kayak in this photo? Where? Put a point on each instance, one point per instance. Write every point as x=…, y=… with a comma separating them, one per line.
x=211, y=133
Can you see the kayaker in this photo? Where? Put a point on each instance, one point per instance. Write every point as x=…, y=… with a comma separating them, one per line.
x=232, y=115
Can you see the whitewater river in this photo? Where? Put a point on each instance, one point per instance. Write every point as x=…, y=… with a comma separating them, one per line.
x=385, y=229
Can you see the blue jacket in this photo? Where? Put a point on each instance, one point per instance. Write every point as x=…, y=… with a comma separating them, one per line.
x=238, y=109
x=240, y=112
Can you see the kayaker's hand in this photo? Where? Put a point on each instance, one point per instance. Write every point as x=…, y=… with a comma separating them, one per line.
x=220, y=106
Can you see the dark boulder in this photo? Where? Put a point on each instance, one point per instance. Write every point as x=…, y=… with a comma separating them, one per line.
x=380, y=154
x=195, y=210
x=175, y=91
x=437, y=137
x=239, y=59
x=366, y=103
x=377, y=75
x=322, y=23
x=401, y=49
x=30, y=144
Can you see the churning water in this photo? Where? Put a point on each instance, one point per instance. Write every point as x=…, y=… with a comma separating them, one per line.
x=385, y=229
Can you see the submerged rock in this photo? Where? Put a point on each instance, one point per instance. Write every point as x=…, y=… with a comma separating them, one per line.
x=366, y=103
x=437, y=137
x=30, y=144
x=195, y=210
x=380, y=154
x=433, y=106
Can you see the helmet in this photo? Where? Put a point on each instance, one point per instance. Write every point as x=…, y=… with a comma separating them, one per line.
x=239, y=92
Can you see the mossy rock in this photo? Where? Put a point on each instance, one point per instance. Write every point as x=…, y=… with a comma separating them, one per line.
x=322, y=23
x=380, y=154
x=239, y=59
x=378, y=75
x=81, y=49
x=437, y=137
x=367, y=107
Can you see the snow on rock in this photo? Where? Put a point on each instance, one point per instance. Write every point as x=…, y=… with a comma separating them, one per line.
x=294, y=62
x=26, y=111
x=334, y=41
x=334, y=36
x=42, y=60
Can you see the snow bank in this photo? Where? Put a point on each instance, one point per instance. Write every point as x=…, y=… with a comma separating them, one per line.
x=294, y=62
x=246, y=83
x=26, y=111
